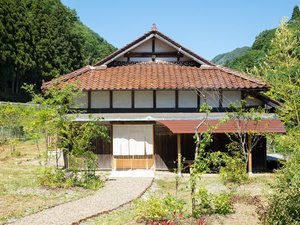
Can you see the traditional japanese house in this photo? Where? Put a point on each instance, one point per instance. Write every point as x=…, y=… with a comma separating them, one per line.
x=149, y=94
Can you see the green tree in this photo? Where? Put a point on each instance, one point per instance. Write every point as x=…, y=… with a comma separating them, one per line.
x=296, y=13
x=281, y=69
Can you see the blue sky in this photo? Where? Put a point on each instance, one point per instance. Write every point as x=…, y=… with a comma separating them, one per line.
x=206, y=27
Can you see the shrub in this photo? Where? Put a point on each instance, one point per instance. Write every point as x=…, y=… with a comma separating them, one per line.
x=223, y=204
x=174, y=206
x=208, y=204
x=234, y=171
x=203, y=204
x=157, y=209
x=91, y=181
x=151, y=209
x=284, y=204
x=55, y=178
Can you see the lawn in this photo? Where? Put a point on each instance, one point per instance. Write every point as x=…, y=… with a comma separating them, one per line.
x=247, y=198
x=20, y=192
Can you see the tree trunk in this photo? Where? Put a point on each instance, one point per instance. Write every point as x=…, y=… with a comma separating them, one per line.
x=66, y=160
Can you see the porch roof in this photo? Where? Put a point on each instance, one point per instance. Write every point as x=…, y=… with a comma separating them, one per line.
x=217, y=126
x=187, y=122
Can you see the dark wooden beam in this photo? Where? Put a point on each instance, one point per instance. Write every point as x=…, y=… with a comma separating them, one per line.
x=132, y=99
x=198, y=100
x=151, y=54
x=153, y=45
x=89, y=99
x=176, y=99
x=220, y=99
x=153, y=50
x=154, y=99
x=110, y=99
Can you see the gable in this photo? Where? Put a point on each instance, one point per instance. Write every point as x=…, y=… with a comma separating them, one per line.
x=153, y=46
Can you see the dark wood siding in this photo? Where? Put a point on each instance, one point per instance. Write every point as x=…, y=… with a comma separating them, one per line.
x=104, y=151
x=259, y=155
x=165, y=148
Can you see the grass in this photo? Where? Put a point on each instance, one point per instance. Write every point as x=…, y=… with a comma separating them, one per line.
x=245, y=212
x=20, y=192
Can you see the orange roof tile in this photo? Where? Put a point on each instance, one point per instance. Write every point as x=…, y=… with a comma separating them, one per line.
x=159, y=76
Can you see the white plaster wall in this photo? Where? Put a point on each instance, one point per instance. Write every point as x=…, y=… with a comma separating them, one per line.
x=187, y=99
x=212, y=98
x=100, y=99
x=231, y=97
x=121, y=58
x=141, y=59
x=121, y=99
x=144, y=47
x=166, y=59
x=161, y=46
x=165, y=99
x=81, y=101
x=143, y=99
x=251, y=101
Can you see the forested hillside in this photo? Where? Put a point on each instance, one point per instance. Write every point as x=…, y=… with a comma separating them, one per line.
x=227, y=57
x=40, y=40
x=255, y=55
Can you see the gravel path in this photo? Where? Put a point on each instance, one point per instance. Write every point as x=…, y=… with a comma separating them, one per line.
x=115, y=193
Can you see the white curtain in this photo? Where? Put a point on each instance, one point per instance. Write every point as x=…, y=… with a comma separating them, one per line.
x=132, y=139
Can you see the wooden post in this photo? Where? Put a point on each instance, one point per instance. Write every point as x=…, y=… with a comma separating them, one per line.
x=249, y=154
x=179, y=154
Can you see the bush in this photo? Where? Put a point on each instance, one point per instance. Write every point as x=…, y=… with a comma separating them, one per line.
x=151, y=209
x=284, y=204
x=157, y=209
x=234, y=171
x=91, y=181
x=203, y=204
x=175, y=206
x=223, y=204
x=55, y=178
x=208, y=204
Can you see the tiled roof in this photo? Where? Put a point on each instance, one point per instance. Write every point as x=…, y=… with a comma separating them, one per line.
x=159, y=76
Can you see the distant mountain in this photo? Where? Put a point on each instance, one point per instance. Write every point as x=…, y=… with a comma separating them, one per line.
x=227, y=57
x=254, y=56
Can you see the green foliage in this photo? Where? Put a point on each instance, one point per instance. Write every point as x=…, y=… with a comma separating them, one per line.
x=203, y=204
x=156, y=209
x=228, y=57
x=247, y=61
x=281, y=70
x=58, y=178
x=296, y=13
x=223, y=204
x=207, y=204
x=41, y=40
x=151, y=209
x=234, y=171
x=284, y=203
x=263, y=40
x=52, y=178
x=175, y=206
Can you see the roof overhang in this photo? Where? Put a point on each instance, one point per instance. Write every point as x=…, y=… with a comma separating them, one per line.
x=219, y=126
x=186, y=123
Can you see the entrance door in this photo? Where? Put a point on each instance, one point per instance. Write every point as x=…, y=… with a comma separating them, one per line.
x=133, y=146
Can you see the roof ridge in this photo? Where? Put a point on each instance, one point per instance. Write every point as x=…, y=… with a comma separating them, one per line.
x=241, y=75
